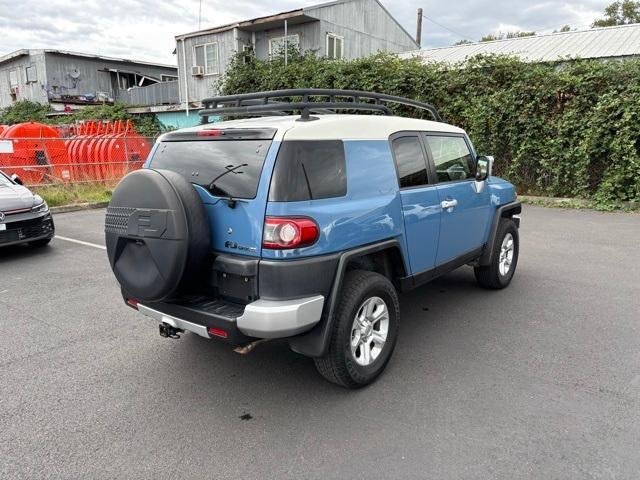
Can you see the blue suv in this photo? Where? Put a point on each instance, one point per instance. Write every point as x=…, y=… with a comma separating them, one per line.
x=306, y=226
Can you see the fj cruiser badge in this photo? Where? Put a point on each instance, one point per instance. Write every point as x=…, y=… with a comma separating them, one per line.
x=243, y=248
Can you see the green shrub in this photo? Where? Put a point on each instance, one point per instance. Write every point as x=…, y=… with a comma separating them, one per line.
x=567, y=130
x=26, y=111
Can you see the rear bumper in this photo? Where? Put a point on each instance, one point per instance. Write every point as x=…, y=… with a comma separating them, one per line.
x=280, y=319
x=238, y=324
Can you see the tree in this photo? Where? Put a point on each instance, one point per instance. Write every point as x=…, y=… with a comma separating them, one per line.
x=501, y=36
x=622, y=12
x=566, y=28
x=520, y=34
x=463, y=42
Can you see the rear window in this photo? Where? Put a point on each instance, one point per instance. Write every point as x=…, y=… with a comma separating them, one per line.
x=309, y=170
x=228, y=168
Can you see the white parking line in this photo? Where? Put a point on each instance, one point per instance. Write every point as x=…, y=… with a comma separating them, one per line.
x=80, y=242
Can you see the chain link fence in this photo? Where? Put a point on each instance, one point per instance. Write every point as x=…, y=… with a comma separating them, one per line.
x=91, y=158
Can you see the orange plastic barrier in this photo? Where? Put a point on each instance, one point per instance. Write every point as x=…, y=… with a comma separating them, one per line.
x=98, y=151
x=39, y=155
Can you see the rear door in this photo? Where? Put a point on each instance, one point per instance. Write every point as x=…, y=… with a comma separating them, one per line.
x=465, y=211
x=226, y=167
x=420, y=201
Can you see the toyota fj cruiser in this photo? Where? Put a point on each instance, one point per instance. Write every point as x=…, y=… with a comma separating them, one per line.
x=306, y=226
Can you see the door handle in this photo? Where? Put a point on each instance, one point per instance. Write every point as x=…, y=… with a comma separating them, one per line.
x=449, y=204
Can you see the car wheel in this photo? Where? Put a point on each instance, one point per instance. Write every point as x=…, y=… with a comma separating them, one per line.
x=365, y=330
x=504, y=258
x=40, y=243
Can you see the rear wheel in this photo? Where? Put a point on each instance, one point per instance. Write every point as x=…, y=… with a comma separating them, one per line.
x=504, y=258
x=365, y=330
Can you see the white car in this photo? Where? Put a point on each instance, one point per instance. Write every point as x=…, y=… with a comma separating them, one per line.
x=24, y=217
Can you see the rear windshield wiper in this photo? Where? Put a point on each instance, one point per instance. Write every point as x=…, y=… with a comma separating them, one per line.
x=220, y=192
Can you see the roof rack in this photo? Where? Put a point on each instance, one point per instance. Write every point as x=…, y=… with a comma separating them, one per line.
x=278, y=102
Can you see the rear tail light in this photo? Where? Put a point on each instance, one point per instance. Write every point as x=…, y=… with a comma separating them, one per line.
x=132, y=303
x=210, y=133
x=282, y=233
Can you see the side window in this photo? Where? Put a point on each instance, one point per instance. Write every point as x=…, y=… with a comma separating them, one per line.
x=309, y=170
x=452, y=158
x=410, y=161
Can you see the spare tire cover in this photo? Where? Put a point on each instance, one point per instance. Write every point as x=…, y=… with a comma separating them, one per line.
x=157, y=234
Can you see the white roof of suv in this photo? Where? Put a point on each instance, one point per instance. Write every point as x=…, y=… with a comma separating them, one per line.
x=332, y=127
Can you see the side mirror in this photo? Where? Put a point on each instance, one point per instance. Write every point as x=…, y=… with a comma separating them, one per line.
x=17, y=179
x=484, y=166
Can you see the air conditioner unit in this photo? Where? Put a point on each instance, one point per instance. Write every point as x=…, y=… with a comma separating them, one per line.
x=197, y=71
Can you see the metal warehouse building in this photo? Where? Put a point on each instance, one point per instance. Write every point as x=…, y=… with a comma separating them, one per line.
x=59, y=77
x=614, y=43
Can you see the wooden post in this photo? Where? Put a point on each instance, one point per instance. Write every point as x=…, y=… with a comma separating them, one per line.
x=419, y=28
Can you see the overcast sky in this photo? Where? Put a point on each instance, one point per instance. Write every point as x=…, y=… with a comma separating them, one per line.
x=145, y=30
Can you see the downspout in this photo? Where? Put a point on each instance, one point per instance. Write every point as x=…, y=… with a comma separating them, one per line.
x=186, y=81
x=286, y=43
x=235, y=42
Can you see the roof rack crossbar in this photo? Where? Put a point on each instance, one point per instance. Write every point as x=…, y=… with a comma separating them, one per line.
x=279, y=108
x=261, y=103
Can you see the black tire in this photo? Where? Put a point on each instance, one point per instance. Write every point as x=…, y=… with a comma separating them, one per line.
x=339, y=365
x=40, y=243
x=490, y=276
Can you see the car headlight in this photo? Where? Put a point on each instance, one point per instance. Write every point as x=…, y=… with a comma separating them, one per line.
x=43, y=207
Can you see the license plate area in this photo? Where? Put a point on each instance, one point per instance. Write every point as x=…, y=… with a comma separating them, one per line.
x=3, y=227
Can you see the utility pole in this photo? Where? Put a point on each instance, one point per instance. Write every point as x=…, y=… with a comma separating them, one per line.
x=200, y=16
x=419, y=28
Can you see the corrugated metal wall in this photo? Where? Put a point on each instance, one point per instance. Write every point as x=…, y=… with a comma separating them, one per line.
x=366, y=27
x=71, y=75
x=34, y=91
x=201, y=87
x=165, y=93
x=175, y=120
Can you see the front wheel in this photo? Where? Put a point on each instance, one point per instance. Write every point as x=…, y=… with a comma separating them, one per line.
x=504, y=258
x=365, y=330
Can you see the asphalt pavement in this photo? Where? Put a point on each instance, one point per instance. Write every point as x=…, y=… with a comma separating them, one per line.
x=541, y=380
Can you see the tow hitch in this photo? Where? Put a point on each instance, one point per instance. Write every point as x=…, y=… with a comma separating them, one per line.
x=167, y=331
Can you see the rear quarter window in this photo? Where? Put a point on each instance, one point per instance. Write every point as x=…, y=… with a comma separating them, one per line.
x=309, y=170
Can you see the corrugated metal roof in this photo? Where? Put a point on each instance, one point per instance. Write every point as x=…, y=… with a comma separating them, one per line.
x=23, y=52
x=610, y=42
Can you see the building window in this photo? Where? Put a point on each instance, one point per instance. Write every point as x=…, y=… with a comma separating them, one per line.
x=168, y=78
x=276, y=44
x=13, y=78
x=32, y=74
x=335, y=46
x=206, y=56
x=247, y=53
